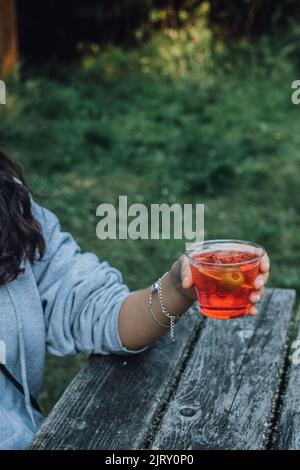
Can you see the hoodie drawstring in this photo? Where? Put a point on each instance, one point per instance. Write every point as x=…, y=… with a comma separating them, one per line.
x=22, y=357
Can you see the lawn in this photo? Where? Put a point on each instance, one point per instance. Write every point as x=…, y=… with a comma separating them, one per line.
x=177, y=120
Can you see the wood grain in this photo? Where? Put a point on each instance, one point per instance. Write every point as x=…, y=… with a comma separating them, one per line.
x=227, y=393
x=288, y=428
x=114, y=402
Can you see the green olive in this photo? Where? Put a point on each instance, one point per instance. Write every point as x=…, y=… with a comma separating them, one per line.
x=231, y=280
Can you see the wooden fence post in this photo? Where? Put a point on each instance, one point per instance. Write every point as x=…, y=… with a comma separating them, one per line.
x=8, y=36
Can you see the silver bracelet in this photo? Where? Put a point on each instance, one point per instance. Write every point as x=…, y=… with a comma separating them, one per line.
x=157, y=287
x=152, y=312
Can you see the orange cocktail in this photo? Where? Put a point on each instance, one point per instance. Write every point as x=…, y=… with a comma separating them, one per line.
x=223, y=273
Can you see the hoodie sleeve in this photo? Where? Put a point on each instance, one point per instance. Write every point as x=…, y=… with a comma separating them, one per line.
x=81, y=296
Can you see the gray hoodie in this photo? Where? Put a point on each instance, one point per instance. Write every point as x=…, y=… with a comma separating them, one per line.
x=68, y=302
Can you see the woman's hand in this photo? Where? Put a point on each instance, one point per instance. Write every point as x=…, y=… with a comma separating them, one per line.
x=138, y=328
x=182, y=278
x=259, y=284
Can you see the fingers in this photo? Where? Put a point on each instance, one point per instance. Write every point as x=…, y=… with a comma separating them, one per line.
x=256, y=296
x=261, y=280
x=186, y=273
x=259, y=283
x=253, y=310
x=264, y=264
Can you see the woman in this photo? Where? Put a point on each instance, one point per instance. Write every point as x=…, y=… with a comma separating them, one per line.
x=55, y=297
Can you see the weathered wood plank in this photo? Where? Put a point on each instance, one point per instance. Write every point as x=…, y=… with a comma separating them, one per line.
x=288, y=429
x=113, y=400
x=226, y=395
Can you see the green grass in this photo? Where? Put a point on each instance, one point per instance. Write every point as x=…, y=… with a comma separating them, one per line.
x=181, y=119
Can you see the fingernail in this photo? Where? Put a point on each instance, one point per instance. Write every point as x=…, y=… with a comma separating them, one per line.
x=260, y=283
x=184, y=280
x=257, y=298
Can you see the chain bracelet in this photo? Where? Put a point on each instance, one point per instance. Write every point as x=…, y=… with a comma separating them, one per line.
x=157, y=287
x=152, y=312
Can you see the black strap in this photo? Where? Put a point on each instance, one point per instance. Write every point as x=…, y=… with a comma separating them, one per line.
x=17, y=384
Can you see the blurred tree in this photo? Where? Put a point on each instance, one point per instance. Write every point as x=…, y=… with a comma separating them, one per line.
x=8, y=36
x=60, y=28
x=47, y=29
x=236, y=18
x=54, y=29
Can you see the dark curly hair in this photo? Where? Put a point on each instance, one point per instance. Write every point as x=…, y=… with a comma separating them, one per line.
x=21, y=236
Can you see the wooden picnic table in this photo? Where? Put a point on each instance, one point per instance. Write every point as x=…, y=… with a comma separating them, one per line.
x=221, y=385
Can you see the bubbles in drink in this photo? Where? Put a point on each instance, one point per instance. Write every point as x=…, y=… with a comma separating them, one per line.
x=224, y=281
